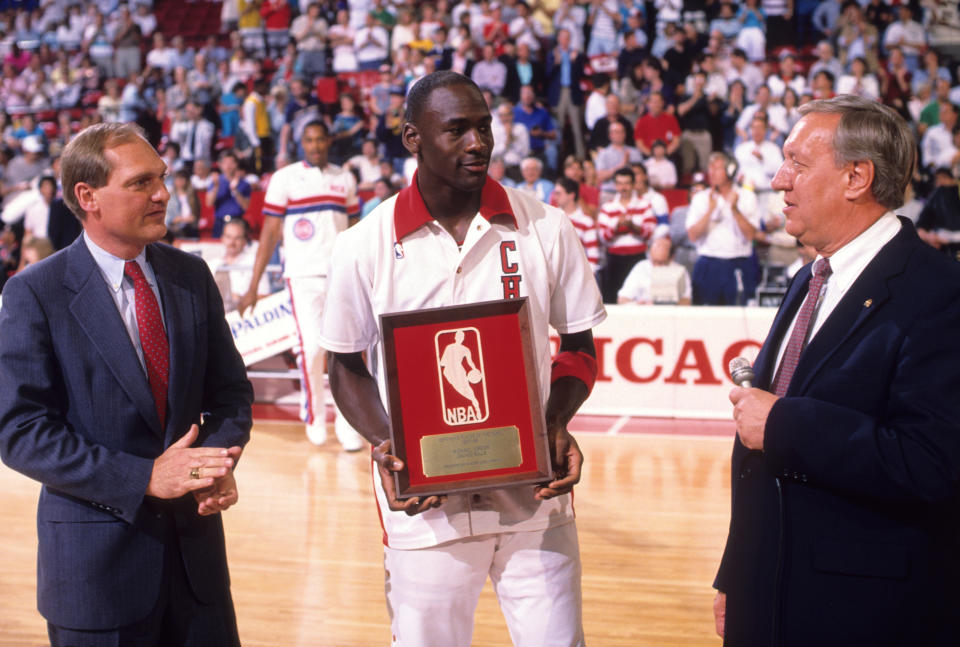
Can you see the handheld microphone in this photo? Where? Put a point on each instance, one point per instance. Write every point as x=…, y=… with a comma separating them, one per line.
x=741, y=372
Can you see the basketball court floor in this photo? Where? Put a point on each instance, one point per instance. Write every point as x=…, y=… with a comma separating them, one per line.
x=304, y=541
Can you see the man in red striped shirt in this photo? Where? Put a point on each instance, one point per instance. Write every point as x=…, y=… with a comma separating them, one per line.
x=626, y=226
x=567, y=196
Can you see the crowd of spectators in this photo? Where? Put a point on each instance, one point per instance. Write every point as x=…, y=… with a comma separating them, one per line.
x=612, y=109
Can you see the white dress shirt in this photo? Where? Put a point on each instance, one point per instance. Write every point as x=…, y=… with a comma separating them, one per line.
x=122, y=291
x=846, y=265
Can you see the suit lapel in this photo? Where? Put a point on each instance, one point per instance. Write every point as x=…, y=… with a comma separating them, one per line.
x=866, y=296
x=179, y=316
x=96, y=313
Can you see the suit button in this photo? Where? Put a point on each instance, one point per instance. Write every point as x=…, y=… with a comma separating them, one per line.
x=745, y=473
x=803, y=477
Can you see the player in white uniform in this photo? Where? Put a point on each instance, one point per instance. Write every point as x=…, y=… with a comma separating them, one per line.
x=307, y=204
x=456, y=236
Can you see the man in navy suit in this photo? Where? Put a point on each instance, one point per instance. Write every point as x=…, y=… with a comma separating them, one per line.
x=845, y=522
x=123, y=394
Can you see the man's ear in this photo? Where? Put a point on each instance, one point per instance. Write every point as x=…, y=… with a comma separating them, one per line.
x=859, y=179
x=86, y=195
x=410, y=137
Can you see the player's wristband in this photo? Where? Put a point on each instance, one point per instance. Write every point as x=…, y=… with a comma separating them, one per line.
x=580, y=365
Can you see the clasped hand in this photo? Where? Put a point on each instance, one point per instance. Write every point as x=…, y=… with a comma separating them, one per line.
x=215, y=490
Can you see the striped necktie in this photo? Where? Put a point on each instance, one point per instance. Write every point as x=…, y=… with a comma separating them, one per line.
x=798, y=340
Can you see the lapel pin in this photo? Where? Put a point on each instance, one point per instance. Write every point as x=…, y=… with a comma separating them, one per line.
x=868, y=303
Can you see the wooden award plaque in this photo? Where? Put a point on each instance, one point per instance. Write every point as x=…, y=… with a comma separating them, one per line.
x=464, y=398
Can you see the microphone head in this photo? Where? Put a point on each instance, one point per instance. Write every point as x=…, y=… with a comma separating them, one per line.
x=741, y=371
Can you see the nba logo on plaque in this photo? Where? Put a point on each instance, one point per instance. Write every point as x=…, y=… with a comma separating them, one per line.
x=462, y=380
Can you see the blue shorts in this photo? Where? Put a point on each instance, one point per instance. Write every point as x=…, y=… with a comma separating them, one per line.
x=715, y=281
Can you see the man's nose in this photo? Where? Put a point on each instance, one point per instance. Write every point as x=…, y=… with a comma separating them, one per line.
x=780, y=181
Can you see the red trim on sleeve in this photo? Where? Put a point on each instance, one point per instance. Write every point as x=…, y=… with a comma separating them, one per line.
x=579, y=364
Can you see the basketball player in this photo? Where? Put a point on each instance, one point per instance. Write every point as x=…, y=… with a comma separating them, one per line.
x=307, y=205
x=455, y=236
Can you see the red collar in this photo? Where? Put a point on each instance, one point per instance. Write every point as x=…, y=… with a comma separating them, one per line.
x=410, y=211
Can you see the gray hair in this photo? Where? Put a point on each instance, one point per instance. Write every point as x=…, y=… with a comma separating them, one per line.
x=869, y=130
x=527, y=161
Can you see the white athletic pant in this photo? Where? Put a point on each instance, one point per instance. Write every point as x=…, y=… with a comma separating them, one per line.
x=307, y=295
x=432, y=593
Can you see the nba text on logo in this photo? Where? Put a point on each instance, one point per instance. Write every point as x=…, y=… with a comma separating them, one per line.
x=463, y=383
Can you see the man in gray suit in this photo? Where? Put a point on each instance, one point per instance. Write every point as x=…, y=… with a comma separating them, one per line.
x=123, y=394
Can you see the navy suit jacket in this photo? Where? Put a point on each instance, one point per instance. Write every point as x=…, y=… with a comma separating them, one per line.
x=845, y=530
x=77, y=414
x=554, y=80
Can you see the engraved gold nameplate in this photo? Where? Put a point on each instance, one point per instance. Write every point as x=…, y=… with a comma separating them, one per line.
x=465, y=452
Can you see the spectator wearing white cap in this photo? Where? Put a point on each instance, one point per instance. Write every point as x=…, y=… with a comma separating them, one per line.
x=23, y=169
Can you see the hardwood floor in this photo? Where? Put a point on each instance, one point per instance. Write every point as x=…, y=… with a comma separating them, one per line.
x=304, y=543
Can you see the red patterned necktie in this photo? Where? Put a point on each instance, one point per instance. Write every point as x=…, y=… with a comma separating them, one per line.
x=153, y=339
x=798, y=340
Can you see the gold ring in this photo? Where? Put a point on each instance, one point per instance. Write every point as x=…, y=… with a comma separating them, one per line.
x=195, y=473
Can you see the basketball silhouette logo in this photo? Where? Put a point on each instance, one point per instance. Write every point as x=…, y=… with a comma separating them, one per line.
x=463, y=387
